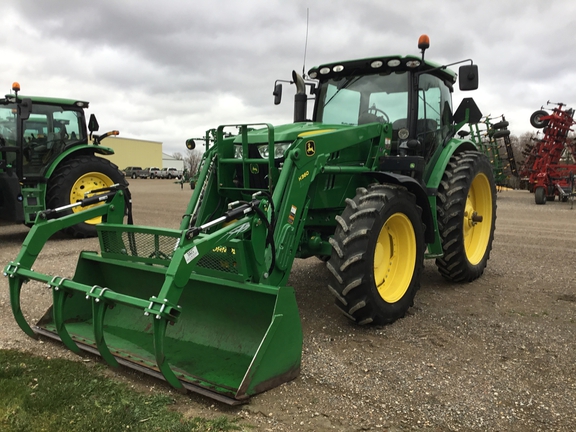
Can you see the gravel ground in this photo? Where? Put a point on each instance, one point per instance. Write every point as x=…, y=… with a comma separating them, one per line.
x=497, y=354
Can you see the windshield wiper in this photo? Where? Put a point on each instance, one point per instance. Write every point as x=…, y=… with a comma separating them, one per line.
x=347, y=84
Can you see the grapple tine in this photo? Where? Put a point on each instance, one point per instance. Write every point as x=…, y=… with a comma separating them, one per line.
x=15, y=284
x=159, y=327
x=59, y=299
x=99, y=307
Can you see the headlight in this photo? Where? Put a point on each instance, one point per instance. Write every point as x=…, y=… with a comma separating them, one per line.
x=279, y=150
x=238, y=152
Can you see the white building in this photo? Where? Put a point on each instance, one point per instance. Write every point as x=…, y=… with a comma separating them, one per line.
x=171, y=162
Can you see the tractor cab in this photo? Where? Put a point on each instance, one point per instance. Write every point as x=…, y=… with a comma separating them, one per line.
x=410, y=96
x=36, y=139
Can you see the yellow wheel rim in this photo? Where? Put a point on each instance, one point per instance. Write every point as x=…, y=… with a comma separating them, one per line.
x=394, y=258
x=478, y=219
x=84, y=184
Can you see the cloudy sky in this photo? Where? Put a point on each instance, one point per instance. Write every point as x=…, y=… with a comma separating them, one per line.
x=168, y=70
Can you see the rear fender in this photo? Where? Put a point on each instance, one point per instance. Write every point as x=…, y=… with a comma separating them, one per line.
x=79, y=149
x=437, y=165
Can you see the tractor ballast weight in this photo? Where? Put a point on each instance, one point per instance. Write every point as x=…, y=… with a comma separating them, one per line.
x=372, y=184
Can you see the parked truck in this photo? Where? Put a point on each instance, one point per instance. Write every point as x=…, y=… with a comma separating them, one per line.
x=373, y=181
x=47, y=161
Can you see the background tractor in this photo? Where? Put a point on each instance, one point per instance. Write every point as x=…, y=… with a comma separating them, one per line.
x=372, y=183
x=46, y=160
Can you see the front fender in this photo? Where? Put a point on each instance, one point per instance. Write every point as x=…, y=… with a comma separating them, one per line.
x=421, y=198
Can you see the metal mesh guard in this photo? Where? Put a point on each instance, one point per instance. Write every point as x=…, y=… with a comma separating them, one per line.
x=161, y=247
x=136, y=244
x=221, y=258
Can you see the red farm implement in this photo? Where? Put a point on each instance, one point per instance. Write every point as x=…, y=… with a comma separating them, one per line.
x=551, y=162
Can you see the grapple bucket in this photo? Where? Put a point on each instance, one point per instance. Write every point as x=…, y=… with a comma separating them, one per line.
x=212, y=332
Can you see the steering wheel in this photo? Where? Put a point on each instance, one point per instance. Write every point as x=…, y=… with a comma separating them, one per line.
x=375, y=111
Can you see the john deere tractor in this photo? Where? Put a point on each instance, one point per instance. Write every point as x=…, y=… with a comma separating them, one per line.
x=46, y=160
x=372, y=182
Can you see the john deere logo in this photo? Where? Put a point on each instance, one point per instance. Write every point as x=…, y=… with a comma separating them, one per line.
x=310, y=148
x=254, y=168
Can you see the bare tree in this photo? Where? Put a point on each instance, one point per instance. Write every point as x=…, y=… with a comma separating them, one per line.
x=177, y=156
x=192, y=161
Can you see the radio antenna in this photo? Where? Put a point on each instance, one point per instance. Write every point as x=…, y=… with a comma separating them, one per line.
x=305, y=43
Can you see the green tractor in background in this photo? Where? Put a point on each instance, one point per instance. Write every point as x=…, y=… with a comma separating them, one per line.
x=46, y=160
x=374, y=182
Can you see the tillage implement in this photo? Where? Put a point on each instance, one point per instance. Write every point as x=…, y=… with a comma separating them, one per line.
x=373, y=182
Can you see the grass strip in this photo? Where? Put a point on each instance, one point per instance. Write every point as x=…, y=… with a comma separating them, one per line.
x=53, y=395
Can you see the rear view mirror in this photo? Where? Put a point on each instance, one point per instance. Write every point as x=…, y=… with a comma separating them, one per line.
x=25, y=108
x=468, y=77
x=277, y=94
x=93, y=124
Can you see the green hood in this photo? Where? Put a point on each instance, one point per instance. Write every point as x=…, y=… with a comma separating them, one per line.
x=289, y=132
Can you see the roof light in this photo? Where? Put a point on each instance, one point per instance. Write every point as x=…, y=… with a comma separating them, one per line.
x=393, y=63
x=424, y=42
x=338, y=68
x=413, y=63
x=325, y=70
x=15, y=86
x=376, y=64
x=313, y=74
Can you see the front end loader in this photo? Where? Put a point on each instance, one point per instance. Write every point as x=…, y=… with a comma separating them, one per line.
x=373, y=183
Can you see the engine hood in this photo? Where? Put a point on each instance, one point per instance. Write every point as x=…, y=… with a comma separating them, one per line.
x=289, y=132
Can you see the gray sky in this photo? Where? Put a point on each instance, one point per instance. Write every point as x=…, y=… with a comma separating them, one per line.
x=167, y=71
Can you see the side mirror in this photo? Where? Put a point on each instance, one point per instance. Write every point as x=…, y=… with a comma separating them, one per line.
x=277, y=94
x=25, y=108
x=93, y=124
x=468, y=77
x=190, y=144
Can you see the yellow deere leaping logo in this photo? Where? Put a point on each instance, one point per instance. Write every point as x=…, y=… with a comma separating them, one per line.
x=310, y=148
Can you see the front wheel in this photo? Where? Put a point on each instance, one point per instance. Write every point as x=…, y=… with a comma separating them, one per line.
x=466, y=204
x=73, y=180
x=377, y=255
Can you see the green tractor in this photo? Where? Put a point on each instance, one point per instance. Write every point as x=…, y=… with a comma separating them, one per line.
x=46, y=160
x=374, y=182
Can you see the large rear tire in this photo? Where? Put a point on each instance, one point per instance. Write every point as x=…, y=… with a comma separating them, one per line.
x=377, y=255
x=73, y=179
x=466, y=204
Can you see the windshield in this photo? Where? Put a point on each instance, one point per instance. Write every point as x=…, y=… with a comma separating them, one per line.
x=364, y=99
x=47, y=132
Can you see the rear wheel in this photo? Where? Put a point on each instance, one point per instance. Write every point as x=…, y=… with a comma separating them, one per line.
x=466, y=204
x=540, y=196
x=378, y=253
x=76, y=177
